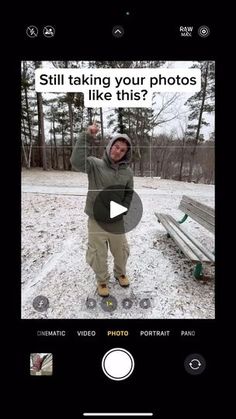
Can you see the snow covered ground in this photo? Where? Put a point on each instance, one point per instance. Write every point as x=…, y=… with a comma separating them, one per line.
x=54, y=242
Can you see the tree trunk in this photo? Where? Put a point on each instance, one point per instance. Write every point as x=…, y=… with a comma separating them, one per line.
x=27, y=114
x=193, y=152
x=41, y=131
x=71, y=120
x=55, y=144
x=141, y=164
x=157, y=168
x=51, y=154
x=182, y=161
x=23, y=145
x=63, y=149
x=120, y=120
x=70, y=100
x=162, y=163
x=24, y=154
x=90, y=116
x=101, y=119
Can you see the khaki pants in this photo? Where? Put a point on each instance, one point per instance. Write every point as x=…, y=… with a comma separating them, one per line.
x=97, y=252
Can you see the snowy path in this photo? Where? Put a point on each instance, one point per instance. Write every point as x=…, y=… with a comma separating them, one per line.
x=54, y=242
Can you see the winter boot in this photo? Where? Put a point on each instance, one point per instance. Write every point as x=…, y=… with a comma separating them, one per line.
x=103, y=289
x=123, y=281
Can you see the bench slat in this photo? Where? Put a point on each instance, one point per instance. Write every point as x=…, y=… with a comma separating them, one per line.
x=201, y=213
x=186, y=250
x=197, y=244
x=190, y=246
x=205, y=207
x=197, y=216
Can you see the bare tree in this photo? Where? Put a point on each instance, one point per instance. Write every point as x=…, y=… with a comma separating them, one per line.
x=41, y=132
x=200, y=103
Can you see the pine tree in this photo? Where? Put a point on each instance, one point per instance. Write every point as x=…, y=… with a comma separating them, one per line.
x=200, y=103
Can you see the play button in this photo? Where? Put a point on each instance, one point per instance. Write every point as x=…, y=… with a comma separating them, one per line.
x=117, y=209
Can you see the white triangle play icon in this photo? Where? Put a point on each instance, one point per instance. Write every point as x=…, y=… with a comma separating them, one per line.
x=116, y=209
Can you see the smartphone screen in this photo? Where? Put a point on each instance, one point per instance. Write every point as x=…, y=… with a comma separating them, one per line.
x=118, y=262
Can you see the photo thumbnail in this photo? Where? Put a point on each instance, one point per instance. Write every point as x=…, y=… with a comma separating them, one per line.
x=41, y=364
x=118, y=189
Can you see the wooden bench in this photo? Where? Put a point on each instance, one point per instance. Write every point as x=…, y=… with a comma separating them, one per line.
x=190, y=246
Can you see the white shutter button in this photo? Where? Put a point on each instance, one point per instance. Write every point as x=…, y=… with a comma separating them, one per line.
x=118, y=364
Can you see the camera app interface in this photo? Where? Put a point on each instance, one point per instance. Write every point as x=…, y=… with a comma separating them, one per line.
x=119, y=249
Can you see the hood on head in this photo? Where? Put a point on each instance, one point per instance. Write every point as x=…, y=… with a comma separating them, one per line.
x=128, y=155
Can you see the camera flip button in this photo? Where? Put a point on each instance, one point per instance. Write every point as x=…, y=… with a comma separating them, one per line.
x=195, y=364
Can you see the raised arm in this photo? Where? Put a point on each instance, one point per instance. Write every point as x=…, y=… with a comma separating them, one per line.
x=81, y=152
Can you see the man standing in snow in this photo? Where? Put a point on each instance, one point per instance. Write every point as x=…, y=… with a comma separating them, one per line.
x=107, y=173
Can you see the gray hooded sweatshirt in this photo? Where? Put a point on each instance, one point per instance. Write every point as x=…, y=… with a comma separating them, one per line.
x=104, y=173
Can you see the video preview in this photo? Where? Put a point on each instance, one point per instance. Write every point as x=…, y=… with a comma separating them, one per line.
x=118, y=189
